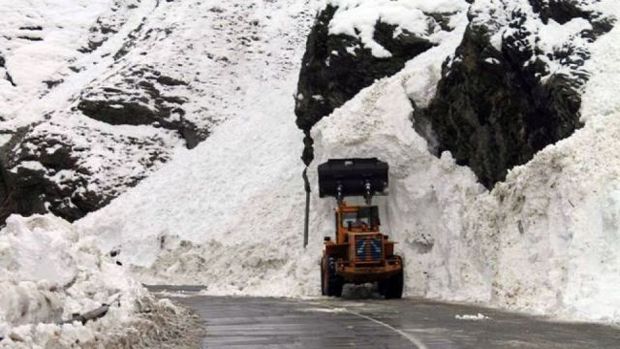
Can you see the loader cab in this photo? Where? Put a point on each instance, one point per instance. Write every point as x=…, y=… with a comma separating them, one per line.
x=356, y=216
x=355, y=219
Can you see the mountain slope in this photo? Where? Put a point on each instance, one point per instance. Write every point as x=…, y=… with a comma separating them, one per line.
x=147, y=80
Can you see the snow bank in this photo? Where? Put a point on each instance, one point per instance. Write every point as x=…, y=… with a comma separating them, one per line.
x=48, y=274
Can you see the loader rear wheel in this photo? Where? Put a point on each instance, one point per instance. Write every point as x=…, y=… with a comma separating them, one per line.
x=331, y=283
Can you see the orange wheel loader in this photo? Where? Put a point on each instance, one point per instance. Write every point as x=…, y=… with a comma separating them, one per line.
x=359, y=252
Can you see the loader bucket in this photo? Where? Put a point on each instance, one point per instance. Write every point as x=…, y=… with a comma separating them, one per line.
x=353, y=177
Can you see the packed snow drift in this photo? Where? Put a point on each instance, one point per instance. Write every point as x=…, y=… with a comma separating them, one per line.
x=53, y=283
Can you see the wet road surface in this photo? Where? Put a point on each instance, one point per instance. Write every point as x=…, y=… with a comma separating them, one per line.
x=248, y=323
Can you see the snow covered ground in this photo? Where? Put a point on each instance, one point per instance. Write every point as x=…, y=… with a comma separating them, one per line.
x=229, y=213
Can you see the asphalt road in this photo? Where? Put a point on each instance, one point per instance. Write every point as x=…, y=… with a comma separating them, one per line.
x=253, y=323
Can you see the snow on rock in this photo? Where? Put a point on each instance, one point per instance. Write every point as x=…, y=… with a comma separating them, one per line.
x=71, y=169
x=78, y=155
x=353, y=43
x=514, y=84
x=358, y=19
x=48, y=274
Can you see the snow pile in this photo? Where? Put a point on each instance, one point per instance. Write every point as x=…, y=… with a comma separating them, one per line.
x=358, y=19
x=217, y=212
x=471, y=317
x=48, y=274
x=229, y=214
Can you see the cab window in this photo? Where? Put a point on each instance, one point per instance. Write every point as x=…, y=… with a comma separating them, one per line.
x=354, y=219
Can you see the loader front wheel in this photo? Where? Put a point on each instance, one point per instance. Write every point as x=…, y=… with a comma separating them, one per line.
x=323, y=289
x=331, y=283
x=392, y=288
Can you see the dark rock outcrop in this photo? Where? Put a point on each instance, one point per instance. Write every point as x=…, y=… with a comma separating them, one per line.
x=336, y=67
x=140, y=97
x=7, y=76
x=65, y=171
x=493, y=110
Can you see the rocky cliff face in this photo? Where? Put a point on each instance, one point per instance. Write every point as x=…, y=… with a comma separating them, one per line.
x=336, y=67
x=514, y=84
x=141, y=95
x=85, y=125
x=73, y=171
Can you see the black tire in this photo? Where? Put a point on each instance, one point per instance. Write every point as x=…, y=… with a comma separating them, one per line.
x=333, y=282
x=323, y=290
x=381, y=288
x=392, y=288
